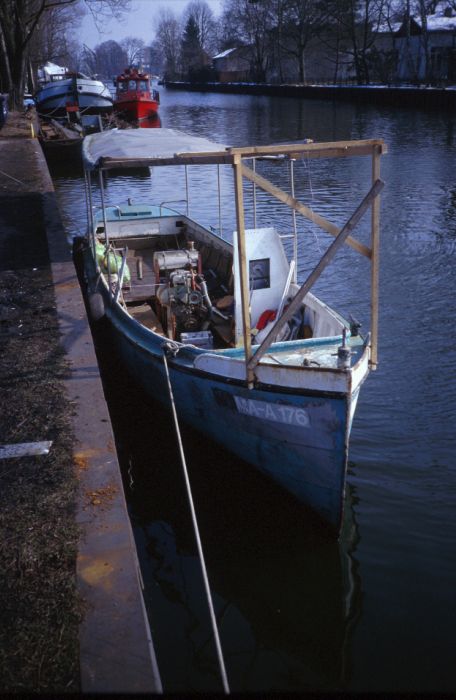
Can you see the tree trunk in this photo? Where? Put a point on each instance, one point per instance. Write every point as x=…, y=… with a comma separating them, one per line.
x=302, y=68
x=18, y=74
x=6, y=71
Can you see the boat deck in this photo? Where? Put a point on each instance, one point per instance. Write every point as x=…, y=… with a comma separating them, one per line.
x=312, y=355
x=142, y=284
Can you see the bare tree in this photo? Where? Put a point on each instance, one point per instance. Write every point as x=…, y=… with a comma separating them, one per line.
x=302, y=21
x=357, y=22
x=253, y=24
x=20, y=20
x=134, y=49
x=52, y=41
x=168, y=41
x=106, y=60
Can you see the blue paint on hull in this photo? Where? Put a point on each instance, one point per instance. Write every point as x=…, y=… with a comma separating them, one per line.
x=307, y=458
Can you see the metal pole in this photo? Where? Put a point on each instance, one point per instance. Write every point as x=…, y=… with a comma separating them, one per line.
x=295, y=232
x=186, y=186
x=219, y=201
x=254, y=195
x=90, y=211
x=100, y=179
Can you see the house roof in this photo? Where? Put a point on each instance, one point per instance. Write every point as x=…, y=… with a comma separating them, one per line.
x=224, y=53
x=435, y=23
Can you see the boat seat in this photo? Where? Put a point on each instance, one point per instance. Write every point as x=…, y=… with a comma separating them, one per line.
x=132, y=229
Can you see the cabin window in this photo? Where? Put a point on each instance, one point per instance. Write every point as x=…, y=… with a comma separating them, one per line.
x=132, y=84
x=121, y=86
x=259, y=274
x=143, y=85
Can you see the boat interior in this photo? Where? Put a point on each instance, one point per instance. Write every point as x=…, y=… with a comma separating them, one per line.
x=181, y=280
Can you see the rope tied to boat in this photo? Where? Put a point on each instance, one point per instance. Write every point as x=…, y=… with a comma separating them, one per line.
x=171, y=348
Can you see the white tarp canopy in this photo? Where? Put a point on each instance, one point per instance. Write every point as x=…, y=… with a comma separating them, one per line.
x=133, y=147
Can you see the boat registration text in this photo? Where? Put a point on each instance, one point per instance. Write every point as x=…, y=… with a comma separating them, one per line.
x=279, y=413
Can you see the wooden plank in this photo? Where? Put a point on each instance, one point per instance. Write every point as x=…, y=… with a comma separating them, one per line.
x=316, y=272
x=107, y=163
x=332, y=149
x=328, y=149
x=146, y=316
x=242, y=261
x=295, y=204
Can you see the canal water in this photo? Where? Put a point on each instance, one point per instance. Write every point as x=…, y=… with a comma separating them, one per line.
x=296, y=611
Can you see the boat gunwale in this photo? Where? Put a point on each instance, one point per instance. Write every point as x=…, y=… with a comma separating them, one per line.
x=193, y=351
x=187, y=368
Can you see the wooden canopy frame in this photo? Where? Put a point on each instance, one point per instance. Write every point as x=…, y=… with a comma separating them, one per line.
x=342, y=149
x=374, y=148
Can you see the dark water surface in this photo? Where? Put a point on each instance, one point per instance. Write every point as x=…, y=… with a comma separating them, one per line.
x=376, y=611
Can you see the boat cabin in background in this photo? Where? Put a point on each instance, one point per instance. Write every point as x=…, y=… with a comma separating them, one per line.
x=62, y=92
x=135, y=98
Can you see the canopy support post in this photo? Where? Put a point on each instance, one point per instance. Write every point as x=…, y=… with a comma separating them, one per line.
x=100, y=180
x=254, y=195
x=243, y=272
x=295, y=231
x=186, y=188
x=88, y=193
x=219, y=201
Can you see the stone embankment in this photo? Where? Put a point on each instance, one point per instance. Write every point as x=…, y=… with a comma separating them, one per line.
x=73, y=617
x=409, y=97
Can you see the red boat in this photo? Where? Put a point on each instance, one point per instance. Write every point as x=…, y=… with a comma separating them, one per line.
x=135, y=98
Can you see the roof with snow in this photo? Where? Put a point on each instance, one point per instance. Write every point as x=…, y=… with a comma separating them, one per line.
x=437, y=22
x=224, y=53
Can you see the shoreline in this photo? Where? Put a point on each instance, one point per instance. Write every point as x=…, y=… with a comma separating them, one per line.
x=407, y=97
x=74, y=618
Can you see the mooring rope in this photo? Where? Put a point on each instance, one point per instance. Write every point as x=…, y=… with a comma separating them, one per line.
x=172, y=348
x=11, y=177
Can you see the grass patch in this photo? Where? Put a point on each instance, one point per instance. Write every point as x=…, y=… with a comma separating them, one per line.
x=39, y=646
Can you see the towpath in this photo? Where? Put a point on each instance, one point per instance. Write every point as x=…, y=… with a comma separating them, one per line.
x=72, y=616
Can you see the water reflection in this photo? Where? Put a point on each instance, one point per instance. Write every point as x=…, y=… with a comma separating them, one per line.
x=151, y=122
x=286, y=596
x=403, y=439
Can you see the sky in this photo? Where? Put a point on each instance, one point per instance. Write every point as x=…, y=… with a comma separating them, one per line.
x=139, y=22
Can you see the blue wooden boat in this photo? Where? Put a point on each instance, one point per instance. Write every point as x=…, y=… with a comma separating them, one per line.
x=257, y=362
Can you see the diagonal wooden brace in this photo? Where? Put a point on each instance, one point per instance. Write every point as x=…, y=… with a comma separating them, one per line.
x=302, y=209
x=316, y=272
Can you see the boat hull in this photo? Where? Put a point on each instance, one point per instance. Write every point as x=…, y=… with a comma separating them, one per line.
x=298, y=438
x=136, y=109
x=92, y=96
